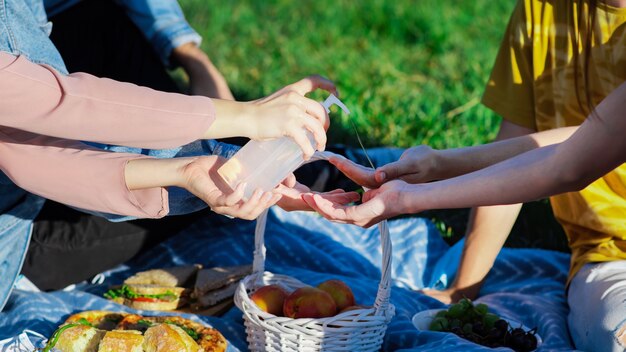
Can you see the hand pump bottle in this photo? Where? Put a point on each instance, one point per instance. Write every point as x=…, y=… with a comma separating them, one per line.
x=265, y=164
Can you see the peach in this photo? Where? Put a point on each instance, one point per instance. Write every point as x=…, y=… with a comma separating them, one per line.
x=309, y=302
x=339, y=291
x=270, y=299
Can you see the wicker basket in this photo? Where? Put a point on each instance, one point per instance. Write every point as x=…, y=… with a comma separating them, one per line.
x=356, y=330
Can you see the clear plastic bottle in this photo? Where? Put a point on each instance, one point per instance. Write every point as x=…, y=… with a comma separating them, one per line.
x=265, y=164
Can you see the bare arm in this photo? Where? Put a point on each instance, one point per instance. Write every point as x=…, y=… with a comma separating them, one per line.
x=488, y=227
x=595, y=149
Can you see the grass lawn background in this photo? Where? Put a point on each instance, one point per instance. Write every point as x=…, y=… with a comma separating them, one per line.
x=412, y=72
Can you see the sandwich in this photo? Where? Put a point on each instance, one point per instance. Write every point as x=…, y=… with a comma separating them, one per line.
x=134, y=333
x=77, y=338
x=122, y=340
x=209, y=339
x=168, y=337
x=147, y=297
x=157, y=289
x=171, y=277
x=99, y=319
x=217, y=284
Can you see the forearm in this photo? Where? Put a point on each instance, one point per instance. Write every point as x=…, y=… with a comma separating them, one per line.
x=148, y=173
x=488, y=229
x=204, y=78
x=459, y=161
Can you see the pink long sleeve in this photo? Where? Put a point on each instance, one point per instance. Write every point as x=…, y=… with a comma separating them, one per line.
x=38, y=99
x=72, y=173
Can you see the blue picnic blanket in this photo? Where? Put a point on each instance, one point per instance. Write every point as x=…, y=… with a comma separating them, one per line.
x=525, y=285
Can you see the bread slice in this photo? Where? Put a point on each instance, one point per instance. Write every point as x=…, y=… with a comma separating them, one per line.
x=150, y=302
x=216, y=296
x=101, y=319
x=168, y=337
x=171, y=277
x=122, y=340
x=214, y=278
x=79, y=338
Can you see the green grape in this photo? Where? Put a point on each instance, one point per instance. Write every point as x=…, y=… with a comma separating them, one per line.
x=481, y=309
x=467, y=328
x=439, y=324
x=442, y=313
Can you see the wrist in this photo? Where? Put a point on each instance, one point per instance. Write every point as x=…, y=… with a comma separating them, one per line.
x=191, y=58
x=232, y=119
x=144, y=173
x=408, y=202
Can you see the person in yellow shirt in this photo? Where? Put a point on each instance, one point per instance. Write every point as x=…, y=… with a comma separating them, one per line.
x=558, y=59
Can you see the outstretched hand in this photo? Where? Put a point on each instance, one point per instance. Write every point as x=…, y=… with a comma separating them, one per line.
x=416, y=165
x=378, y=204
x=202, y=180
x=292, y=196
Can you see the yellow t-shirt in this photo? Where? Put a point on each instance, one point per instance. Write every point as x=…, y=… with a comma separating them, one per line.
x=532, y=85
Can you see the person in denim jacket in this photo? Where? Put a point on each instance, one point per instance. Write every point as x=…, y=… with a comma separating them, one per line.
x=43, y=113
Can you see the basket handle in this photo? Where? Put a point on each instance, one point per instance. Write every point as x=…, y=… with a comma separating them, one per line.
x=381, y=304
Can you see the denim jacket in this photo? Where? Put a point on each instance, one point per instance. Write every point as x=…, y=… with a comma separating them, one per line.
x=24, y=30
x=161, y=21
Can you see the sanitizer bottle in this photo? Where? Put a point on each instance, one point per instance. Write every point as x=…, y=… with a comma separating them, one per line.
x=265, y=164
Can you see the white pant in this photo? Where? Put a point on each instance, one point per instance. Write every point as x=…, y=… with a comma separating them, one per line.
x=597, y=301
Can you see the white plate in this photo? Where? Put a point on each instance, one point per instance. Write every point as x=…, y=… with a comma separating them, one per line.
x=422, y=321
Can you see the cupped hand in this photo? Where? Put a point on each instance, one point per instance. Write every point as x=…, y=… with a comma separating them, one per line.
x=378, y=204
x=416, y=165
x=292, y=197
x=201, y=179
x=288, y=112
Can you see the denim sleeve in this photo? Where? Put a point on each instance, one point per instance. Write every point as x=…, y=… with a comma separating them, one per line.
x=163, y=23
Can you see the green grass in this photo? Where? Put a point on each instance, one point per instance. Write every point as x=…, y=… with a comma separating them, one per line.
x=411, y=71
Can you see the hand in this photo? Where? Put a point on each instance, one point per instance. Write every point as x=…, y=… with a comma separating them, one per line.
x=416, y=165
x=361, y=175
x=452, y=294
x=447, y=296
x=378, y=204
x=292, y=197
x=288, y=112
x=201, y=179
x=204, y=78
x=285, y=113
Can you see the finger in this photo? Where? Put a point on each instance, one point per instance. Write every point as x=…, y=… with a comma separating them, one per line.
x=233, y=198
x=326, y=207
x=312, y=83
x=248, y=206
x=360, y=174
x=315, y=109
x=318, y=131
x=267, y=200
x=338, y=190
x=394, y=170
x=308, y=198
x=342, y=199
x=367, y=196
x=290, y=181
x=303, y=142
